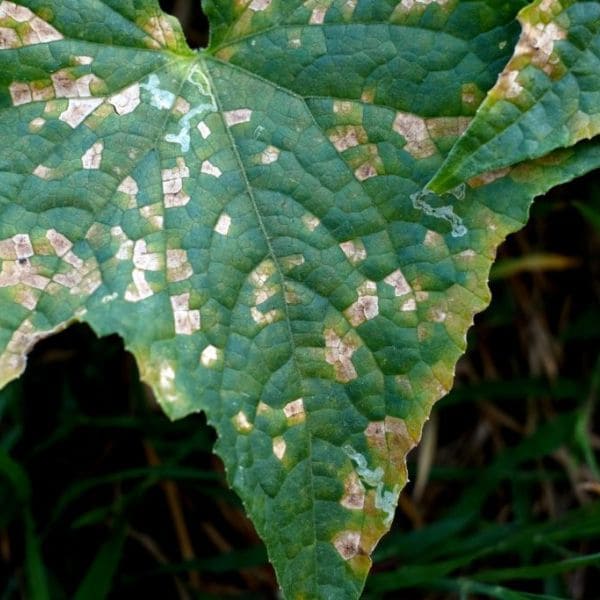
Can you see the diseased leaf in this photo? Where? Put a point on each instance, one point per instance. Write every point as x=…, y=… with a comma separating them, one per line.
x=251, y=220
x=547, y=96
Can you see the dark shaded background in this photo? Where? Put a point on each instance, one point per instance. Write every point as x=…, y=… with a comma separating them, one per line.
x=102, y=497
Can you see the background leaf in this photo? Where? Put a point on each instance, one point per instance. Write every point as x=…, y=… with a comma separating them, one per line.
x=254, y=227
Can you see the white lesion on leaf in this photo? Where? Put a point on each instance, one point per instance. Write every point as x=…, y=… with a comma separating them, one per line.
x=416, y=134
x=369, y=162
x=408, y=4
x=182, y=106
x=354, y=251
x=294, y=412
x=144, y=260
x=339, y=352
x=365, y=171
x=409, y=305
x=178, y=266
x=92, y=157
x=166, y=382
x=161, y=32
x=311, y=222
x=535, y=47
x=347, y=543
x=29, y=277
x=78, y=110
x=44, y=172
x=208, y=168
x=354, y=492
x=153, y=213
x=537, y=44
x=19, y=273
x=125, y=249
x=223, y=224
x=83, y=60
x=186, y=320
x=433, y=239
x=67, y=86
x=263, y=289
x=203, y=129
x=139, y=289
x=130, y=188
x=291, y=262
x=22, y=27
x=210, y=356
x=237, y=116
x=241, y=422
x=127, y=100
x=36, y=124
x=398, y=281
x=269, y=155
x=262, y=408
x=317, y=16
x=259, y=5
x=279, y=447
x=172, y=184
x=20, y=93
x=14, y=357
x=366, y=306
x=344, y=137
x=507, y=85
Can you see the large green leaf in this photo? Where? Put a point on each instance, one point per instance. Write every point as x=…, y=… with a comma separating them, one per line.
x=251, y=220
x=547, y=96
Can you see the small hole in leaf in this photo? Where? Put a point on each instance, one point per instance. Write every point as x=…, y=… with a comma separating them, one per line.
x=192, y=19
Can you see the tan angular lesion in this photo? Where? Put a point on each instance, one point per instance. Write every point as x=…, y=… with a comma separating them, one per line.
x=27, y=277
x=294, y=412
x=186, y=320
x=78, y=110
x=415, y=133
x=161, y=31
x=398, y=281
x=92, y=157
x=172, y=184
x=178, y=266
x=366, y=306
x=347, y=543
x=539, y=33
x=263, y=289
x=354, y=251
x=19, y=26
x=339, y=352
x=347, y=136
x=127, y=100
x=354, y=492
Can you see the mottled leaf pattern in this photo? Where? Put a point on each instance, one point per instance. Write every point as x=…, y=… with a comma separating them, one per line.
x=252, y=220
